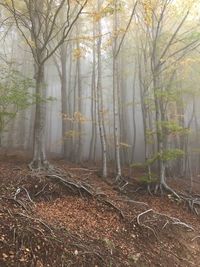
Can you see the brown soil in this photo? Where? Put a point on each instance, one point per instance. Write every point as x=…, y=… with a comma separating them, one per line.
x=44, y=223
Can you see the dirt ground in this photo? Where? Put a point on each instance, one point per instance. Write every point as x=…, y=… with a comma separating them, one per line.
x=82, y=220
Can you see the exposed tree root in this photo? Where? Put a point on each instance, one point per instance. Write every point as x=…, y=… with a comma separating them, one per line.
x=192, y=201
x=36, y=220
x=27, y=193
x=174, y=221
x=144, y=225
x=19, y=202
x=30, y=232
x=170, y=221
x=86, y=251
x=121, y=182
x=40, y=165
x=86, y=188
x=73, y=186
x=112, y=205
x=161, y=187
x=169, y=189
x=132, y=201
x=80, y=187
x=140, y=222
x=196, y=237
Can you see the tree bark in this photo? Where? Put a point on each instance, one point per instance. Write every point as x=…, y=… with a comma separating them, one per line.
x=101, y=122
x=39, y=150
x=64, y=96
x=116, y=97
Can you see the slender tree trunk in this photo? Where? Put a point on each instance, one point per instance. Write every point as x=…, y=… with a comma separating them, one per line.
x=100, y=101
x=92, y=153
x=64, y=96
x=70, y=103
x=123, y=114
x=22, y=130
x=80, y=141
x=116, y=97
x=134, y=121
x=0, y=139
x=74, y=123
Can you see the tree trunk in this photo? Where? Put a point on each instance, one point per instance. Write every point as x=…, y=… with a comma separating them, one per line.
x=116, y=98
x=80, y=134
x=100, y=101
x=64, y=96
x=92, y=153
x=39, y=150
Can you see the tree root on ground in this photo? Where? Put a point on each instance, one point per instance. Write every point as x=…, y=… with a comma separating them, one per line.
x=112, y=205
x=86, y=251
x=193, y=202
x=169, y=189
x=121, y=182
x=161, y=187
x=78, y=187
x=39, y=166
x=170, y=221
x=73, y=186
x=196, y=237
x=144, y=225
x=29, y=232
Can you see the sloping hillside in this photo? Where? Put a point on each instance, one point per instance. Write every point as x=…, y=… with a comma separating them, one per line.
x=70, y=217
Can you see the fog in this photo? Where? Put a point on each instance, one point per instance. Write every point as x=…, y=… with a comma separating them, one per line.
x=158, y=49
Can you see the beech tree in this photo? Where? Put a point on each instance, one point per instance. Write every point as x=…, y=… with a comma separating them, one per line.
x=157, y=82
x=39, y=23
x=14, y=96
x=124, y=94
x=99, y=96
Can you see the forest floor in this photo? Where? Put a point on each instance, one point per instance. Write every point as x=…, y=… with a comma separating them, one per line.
x=71, y=217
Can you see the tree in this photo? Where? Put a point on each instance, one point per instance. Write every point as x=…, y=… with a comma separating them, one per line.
x=39, y=23
x=161, y=55
x=99, y=96
x=14, y=96
x=117, y=45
